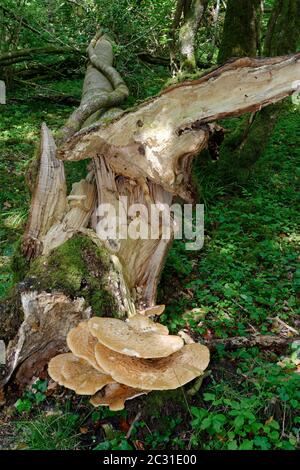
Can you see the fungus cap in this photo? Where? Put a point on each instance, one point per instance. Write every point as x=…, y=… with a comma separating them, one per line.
x=143, y=324
x=157, y=374
x=121, y=337
x=151, y=311
x=76, y=374
x=82, y=344
x=114, y=395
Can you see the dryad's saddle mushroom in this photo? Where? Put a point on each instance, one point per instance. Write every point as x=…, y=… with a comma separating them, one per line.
x=116, y=360
x=76, y=374
x=114, y=395
x=165, y=373
x=130, y=340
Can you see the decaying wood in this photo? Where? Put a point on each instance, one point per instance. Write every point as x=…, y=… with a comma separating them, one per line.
x=142, y=258
x=47, y=320
x=49, y=199
x=157, y=139
x=81, y=203
x=261, y=341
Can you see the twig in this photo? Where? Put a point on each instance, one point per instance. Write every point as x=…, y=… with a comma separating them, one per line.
x=288, y=327
x=139, y=414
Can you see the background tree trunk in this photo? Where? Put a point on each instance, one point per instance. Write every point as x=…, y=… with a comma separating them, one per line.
x=187, y=19
x=283, y=29
x=193, y=16
x=241, y=34
x=282, y=37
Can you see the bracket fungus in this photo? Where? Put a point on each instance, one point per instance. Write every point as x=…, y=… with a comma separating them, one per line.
x=76, y=374
x=156, y=310
x=82, y=344
x=165, y=373
x=143, y=324
x=121, y=337
x=116, y=360
x=114, y=395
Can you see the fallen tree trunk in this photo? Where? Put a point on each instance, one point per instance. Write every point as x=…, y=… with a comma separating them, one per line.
x=21, y=55
x=142, y=156
x=57, y=99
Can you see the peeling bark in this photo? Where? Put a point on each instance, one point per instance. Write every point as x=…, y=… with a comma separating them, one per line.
x=49, y=199
x=47, y=320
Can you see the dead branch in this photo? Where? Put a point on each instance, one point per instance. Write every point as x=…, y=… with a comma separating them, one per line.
x=261, y=341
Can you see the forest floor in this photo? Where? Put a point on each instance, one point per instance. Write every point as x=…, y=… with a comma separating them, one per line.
x=243, y=282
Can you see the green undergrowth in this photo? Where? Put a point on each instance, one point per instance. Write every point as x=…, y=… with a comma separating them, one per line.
x=246, y=402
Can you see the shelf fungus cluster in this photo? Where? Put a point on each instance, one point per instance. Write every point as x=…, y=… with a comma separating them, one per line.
x=115, y=360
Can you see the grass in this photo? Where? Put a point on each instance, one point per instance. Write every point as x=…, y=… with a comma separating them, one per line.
x=244, y=277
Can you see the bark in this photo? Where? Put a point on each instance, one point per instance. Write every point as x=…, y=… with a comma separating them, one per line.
x=241, y=30
x=188, y=32
x=187, y=19
x=144, y=154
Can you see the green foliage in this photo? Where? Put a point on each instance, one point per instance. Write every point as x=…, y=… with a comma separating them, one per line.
x=242, y=415
x=247, y=270
x=32, y=397
x=117, y=442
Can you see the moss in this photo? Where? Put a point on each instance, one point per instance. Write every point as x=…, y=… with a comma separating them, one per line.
x=167, y=402
x=187, y=76
x=79, y=269
x=19, y=266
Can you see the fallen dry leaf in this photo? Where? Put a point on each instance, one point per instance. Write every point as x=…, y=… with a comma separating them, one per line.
x=83, y=430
